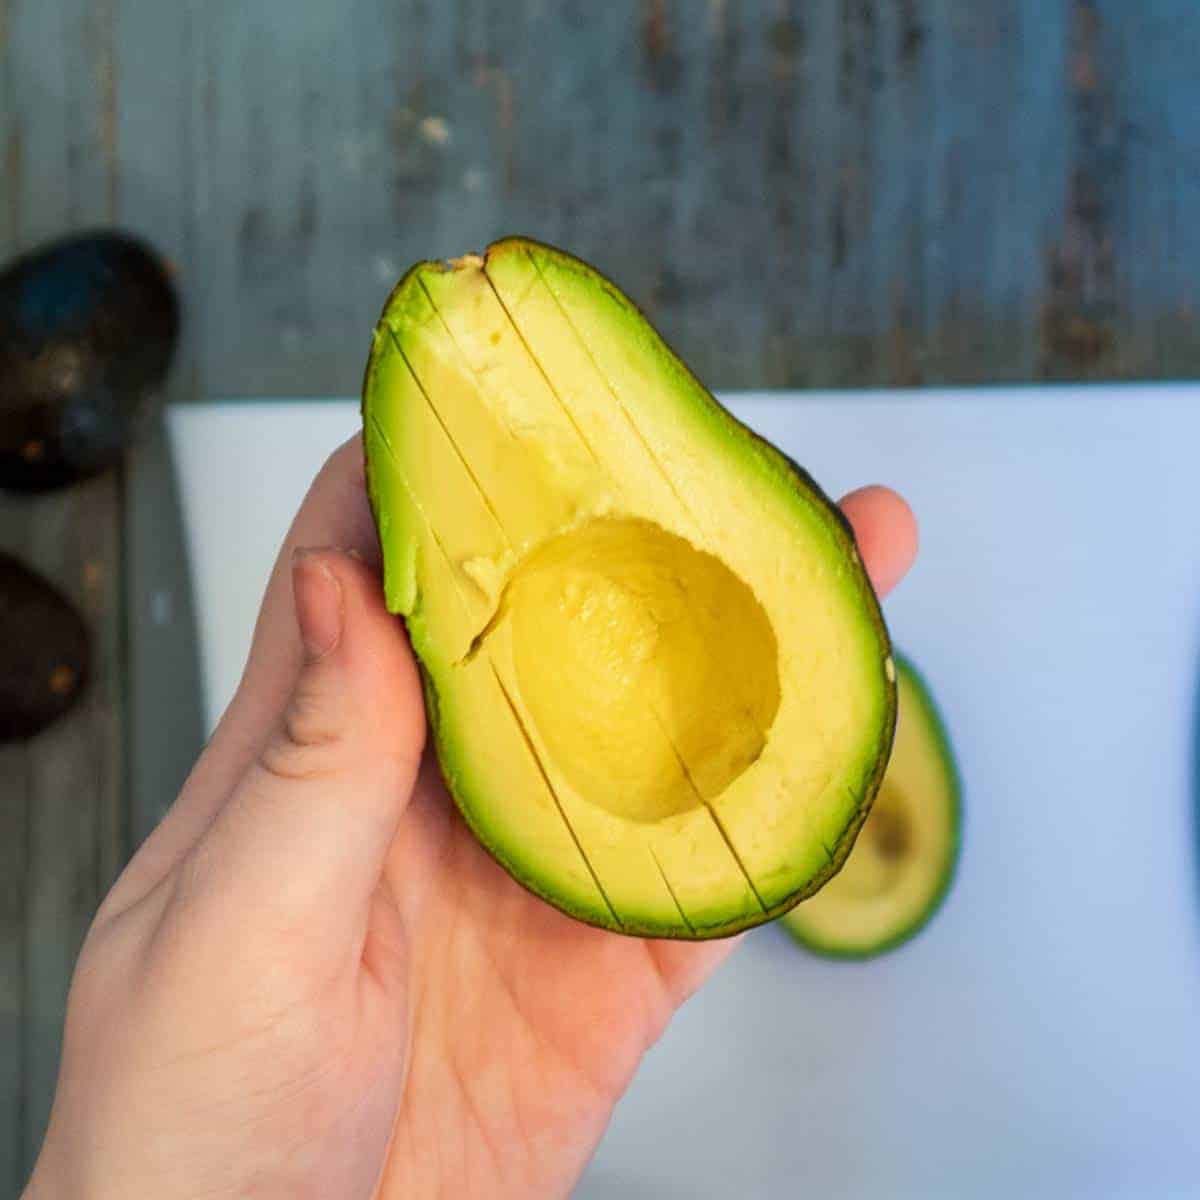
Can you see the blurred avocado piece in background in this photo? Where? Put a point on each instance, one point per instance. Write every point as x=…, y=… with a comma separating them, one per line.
x=44, y=652
x=88, y=328
x=903, y=862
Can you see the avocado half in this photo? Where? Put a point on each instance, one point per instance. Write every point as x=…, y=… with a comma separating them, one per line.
x=659, y=684
x=905, y=857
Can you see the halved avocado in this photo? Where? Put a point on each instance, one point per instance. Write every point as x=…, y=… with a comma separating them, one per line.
x=904, y=860
x=659, y=683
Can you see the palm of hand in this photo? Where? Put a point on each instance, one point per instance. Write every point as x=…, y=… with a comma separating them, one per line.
x=526, y=1026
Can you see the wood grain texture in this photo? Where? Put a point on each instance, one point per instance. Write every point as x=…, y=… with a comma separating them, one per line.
x=848, y=192
x=799, y=192
x=61, y=813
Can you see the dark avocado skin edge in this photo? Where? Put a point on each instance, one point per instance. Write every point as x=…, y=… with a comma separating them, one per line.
x=40, y=629
x=906, y=933
x=802, y=482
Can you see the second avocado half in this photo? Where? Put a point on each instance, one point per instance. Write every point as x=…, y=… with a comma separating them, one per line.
x=658, y=680
x=905, y=859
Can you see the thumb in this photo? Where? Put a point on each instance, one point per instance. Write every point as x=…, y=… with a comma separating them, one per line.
x=303, y=838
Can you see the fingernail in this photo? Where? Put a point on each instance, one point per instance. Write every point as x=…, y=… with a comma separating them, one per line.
x=318, y=596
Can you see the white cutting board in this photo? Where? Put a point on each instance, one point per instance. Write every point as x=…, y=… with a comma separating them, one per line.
x=1042, y=1037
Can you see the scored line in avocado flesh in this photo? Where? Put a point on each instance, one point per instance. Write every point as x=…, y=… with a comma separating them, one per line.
x=612, y=391
x=667, y=884
x=484, y=390
x=437, y=416
x=537, y=758
x=437, y=312
x=533, y=358
x=691, y=782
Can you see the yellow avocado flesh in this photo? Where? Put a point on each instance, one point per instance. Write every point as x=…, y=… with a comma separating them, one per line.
x=658, y=680
x=904, y=856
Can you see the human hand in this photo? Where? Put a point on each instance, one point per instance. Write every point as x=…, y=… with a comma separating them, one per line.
x=311, y=980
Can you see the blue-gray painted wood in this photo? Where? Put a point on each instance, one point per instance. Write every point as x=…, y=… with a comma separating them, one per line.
x=800, y=192
x=61, y=796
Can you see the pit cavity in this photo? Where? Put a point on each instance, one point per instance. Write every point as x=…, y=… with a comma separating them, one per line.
x=648, y=668
x=882, y=851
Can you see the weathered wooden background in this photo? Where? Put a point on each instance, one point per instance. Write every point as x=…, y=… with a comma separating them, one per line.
x=813, y=192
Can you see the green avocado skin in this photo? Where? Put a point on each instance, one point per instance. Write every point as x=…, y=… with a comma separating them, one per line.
x=789, y=474
x=44, y=652
x=906, y=933
x=88, y=328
